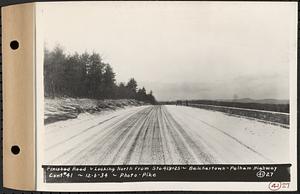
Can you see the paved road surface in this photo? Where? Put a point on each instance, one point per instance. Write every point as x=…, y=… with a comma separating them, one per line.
x=164, y=135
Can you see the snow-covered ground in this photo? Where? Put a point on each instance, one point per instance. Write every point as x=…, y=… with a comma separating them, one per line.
x=164, y=135
x=235, y=139
x=57, y=109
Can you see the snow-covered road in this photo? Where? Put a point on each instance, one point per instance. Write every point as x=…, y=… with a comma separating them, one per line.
x=164, y=135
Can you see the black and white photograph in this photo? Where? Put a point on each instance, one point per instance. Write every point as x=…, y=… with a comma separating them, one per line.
x=168, y=83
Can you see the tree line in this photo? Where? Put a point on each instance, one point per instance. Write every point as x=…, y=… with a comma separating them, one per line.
x=86, y=76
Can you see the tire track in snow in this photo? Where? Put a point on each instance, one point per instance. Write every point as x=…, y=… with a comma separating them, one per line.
x=86, y=143
x=232, y=138
x=106, y=146
x=78, y=134
x=241, y=143
x=150, y=135
x=125, y=149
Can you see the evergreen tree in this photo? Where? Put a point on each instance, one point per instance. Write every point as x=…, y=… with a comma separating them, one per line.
x=53, y=71
x=141, y=94
x=122, y=91
x=132, y=88
x=86, y=75
x=151, y=98
x=95, y=76
x=109, y=82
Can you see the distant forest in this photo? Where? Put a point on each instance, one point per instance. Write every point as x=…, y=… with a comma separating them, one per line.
x=86, y=76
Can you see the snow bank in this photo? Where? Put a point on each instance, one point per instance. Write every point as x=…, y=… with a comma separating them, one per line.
x=58, y=109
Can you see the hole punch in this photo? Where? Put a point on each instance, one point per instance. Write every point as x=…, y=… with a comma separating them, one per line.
x=14, y=45
x=15, y=149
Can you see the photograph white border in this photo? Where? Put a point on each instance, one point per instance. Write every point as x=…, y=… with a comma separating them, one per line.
x=155, y=186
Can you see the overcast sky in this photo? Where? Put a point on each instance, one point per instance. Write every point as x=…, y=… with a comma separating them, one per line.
x=184, y=50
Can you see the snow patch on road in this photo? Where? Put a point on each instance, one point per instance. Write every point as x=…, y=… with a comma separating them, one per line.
x=76, y=134
x=223, y=132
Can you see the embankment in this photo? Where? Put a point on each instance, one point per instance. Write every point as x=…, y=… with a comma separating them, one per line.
x=58, y=109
